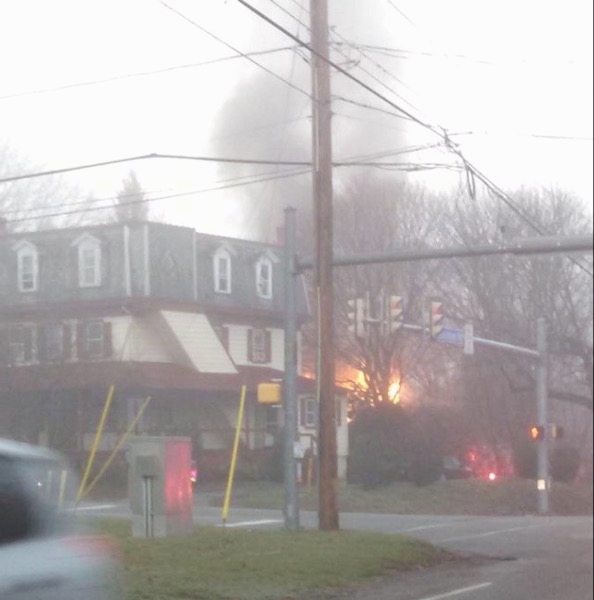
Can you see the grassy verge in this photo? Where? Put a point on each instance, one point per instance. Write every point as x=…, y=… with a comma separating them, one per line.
x=462, y=497
x=224, y=564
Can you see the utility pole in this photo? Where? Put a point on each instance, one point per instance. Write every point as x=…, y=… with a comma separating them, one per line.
x=543, y=480
x=322, y=194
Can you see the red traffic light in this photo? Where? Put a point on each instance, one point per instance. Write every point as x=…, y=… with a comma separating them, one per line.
x=537, y=432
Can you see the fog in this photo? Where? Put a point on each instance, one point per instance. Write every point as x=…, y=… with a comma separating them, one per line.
x=266, y=119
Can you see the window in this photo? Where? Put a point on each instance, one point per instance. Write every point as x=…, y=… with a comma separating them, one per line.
x=222, y=272
x=272, y=419
x=21, y=344
x=259, y=346
x=53, y=342
x=308, y=412
x=93, y=340
x=89, y=263
x=27, y=268
x=264, y=278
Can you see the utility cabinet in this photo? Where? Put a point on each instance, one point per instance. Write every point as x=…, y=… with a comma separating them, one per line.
x=159, y=486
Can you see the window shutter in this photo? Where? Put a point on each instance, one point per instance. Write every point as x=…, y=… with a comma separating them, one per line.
x=28, y=344
x=4, y=347
x=250, y=344
x=268, y=348
x=74, y=269
x=66, y=342
x=41, y=353
x=107, y=346
x=81, y=340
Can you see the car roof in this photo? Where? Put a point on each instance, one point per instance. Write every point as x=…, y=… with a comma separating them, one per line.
x=14, y=449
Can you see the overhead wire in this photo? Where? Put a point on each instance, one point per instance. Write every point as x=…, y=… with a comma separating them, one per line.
x=271, y=189
x=239, y=52
x=144, y=73
x=442, y=134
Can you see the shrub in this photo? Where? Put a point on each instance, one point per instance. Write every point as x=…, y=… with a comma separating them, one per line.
x=377, y=445
x=524, y=455
x=564, y=463
x=426, y=466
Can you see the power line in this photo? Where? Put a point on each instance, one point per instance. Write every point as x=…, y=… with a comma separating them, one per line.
x=403, y=53
x=153, y=155
x=473, y=171
x=285, y=174
x=377, y=65
x=144, y=73
x=221, y=41
x=337, y=67
x=544, y=136
x=290, y=14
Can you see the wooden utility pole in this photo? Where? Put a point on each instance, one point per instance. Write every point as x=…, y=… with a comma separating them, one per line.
x=322, y=194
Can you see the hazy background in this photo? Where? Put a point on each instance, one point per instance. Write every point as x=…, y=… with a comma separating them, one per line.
x=84, y=82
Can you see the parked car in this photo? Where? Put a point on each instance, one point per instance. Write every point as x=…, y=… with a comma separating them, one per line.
x=42, y=557
x=453, y=468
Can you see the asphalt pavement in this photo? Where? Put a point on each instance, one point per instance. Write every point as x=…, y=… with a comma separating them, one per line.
x=505, y=558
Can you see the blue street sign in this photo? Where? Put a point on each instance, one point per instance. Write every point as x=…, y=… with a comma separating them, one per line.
x=449, y=335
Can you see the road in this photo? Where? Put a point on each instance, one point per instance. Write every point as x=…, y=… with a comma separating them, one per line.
x=512, y=558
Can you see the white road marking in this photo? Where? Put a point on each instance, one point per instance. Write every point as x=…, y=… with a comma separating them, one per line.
x=459, y=591
x=485, y=534
x=423, y=527
x=251, y=523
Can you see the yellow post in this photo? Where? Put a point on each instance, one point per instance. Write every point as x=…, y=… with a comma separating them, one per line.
x=98, y=435
x=234, y=456
x=118, y=447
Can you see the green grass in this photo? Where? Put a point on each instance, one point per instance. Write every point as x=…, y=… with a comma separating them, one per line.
x=224, y=564
x=461, y=497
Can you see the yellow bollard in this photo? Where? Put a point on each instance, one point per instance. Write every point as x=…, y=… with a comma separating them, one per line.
x=233, y=456
x=118, y=447
x=98, y=435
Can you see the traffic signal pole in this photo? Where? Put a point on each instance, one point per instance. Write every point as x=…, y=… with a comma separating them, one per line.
x=540, y=354
x=291, y=505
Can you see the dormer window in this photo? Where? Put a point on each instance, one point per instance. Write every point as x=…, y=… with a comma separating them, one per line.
x=222, y=271
x=89, y=260
x=27, y=267
x=264, y=278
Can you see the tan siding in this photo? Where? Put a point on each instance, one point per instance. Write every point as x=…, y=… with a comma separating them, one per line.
x=278, y=349
x=238, y=343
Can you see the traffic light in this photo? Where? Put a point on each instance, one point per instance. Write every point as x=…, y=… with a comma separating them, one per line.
x=537, y=432
x=269, y=393
x=435, y=319
x=356, y=317
x=395, y=316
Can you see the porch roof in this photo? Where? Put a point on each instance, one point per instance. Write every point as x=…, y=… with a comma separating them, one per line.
x=138, y=376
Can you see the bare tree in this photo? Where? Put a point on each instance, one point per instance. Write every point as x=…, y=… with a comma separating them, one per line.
x=34, y=203
x=504, y=296
x=131, y=203
x=377, y=215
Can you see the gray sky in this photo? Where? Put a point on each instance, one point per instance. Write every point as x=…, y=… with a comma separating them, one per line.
x=517, y=74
